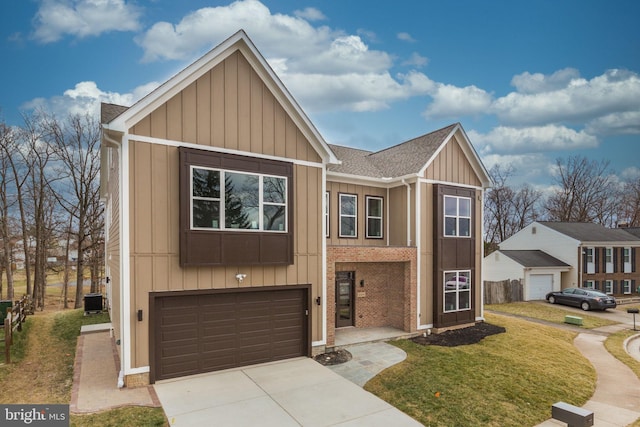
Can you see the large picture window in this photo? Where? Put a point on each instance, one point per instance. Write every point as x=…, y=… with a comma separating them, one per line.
x=348, y=215
x=229, y=200
x=374, y=217
x=457, y=216
x=457, y=290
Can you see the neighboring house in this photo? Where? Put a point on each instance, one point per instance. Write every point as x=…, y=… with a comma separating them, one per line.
x=236, y=235
x=539, y=272
x=601, y=258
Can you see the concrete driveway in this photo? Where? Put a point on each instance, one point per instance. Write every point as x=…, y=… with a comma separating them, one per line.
x=289, y=393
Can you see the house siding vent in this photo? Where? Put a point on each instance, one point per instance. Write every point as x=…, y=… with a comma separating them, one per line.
x=533, y=230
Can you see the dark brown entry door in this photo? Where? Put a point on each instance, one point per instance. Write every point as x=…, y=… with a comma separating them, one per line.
x=344, y=298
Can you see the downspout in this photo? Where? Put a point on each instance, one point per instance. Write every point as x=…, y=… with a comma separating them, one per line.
x=408, y=211
x=118, y=144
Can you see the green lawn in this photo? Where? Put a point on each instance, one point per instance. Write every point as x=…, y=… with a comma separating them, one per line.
x=509, y=379
x=546, y=312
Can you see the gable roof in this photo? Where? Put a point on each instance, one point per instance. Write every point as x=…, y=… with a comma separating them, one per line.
x=533, y=258
x=108, y=112
x=408, y=158
x=589, y=232
x=633, y=230
x=238, y=42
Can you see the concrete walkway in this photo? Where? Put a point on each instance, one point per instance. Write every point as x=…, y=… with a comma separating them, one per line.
x=368, y=361
x=616, y=401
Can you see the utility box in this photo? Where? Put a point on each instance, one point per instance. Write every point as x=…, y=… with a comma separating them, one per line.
x=572, y=415
x=5, y=307
x=92, y=303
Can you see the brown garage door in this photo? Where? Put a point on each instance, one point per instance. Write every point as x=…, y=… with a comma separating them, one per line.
x=198, y=332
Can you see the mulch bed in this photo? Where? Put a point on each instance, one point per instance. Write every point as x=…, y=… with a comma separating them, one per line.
x=333, y=357
x=464, y=336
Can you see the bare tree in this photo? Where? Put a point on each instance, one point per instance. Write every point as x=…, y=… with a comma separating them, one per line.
x=6, y=201
x=630, y=205
x=507, y=210
x=586, y=192
x=76, y=143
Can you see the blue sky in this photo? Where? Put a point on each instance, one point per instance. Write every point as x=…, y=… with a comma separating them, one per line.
x=530, y=81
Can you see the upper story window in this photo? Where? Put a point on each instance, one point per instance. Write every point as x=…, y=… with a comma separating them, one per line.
x=348, y=215
x=229, y=200
x=591, y=267
x=374, y=217
x=326, y=213
x=608, y=260
x=626, y=258
x=457, y=216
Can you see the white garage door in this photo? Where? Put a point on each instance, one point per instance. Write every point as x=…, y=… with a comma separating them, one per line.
x=540, y=285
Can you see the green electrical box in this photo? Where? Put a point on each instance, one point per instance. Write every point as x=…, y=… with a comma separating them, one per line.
x=5, y=306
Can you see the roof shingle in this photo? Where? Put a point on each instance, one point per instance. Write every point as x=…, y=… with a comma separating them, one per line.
x=590, y=232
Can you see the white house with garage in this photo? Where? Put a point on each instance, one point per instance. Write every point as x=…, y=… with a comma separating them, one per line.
x=548, y=256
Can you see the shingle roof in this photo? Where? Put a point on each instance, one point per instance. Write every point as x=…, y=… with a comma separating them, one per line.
x=633, y=230
x=534, y=258
x=109, y=112
x=590, y=232
x=402, y=159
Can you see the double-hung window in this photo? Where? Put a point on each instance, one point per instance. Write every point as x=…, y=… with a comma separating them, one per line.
x=591, y=267
x=626, y=286
x=374, y=217
x=457, y=290
x=348, y=215
x=457, y=216
x=230, y=200
x=608, y=260
x=589, y=284
x=608, y=286
x=626, y=258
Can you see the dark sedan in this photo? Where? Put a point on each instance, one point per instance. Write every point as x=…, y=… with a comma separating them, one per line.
x=586, y=299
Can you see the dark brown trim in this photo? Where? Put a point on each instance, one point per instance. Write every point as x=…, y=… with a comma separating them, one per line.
x=224, y=247
x=340, y=236
x=154, y=296
x=366, y=217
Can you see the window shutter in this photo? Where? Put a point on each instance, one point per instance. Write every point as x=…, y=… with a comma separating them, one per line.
x=615, y=286
x=633, y=260
x=597, y=285
x=596, y=260
x=584, y=284
x=633, y=285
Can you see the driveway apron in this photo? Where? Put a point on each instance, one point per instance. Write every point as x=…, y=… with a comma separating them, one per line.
x=297, y=392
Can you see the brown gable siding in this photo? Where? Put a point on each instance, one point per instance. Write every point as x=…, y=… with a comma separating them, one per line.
x=452, y=165
x=229, y=107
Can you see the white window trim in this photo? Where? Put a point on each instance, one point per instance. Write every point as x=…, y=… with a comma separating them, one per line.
x=608, y=260
x=381, y=199
x=626, y=286
x=608, y=287
x=457, y=216
x=327, y=198
x=354, y=216
x=457, y=291
x=590, y=284
x=221, y=200
x=626, y=255
x=590, y=257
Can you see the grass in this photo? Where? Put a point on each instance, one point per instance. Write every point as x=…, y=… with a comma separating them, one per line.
x=509, y=379
x=546, y=312
x=43, y=370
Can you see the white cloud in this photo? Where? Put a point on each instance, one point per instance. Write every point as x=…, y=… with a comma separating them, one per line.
x=83, y=18
x=616, y=123
x=416, y=60
x=631, y=173
x=453, y=101
x=577, y=100
x=502, y=139
x=538, y=82
x=85, y=98
x=528, y=168
x=310, y=14
x=405, y=37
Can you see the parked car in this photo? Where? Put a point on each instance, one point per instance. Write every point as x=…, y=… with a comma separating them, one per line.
x=586, y=299
x=461, y=283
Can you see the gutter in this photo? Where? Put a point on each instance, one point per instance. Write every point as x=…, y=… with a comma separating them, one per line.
x=408, y=211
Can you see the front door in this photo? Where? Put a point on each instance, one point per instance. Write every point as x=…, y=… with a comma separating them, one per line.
x=344, y=298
